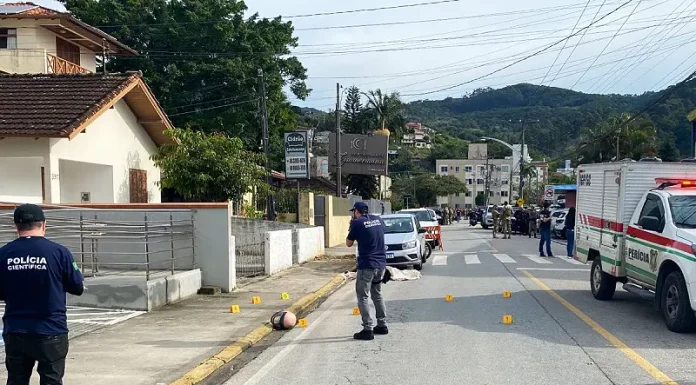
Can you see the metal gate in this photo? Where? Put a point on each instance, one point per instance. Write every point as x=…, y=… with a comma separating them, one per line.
x=319, y=210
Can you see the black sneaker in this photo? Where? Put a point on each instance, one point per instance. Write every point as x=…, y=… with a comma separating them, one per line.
x=366, y=335
x=542, y=255
x=382, y=330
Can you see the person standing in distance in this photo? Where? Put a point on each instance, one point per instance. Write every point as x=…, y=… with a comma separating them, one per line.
x=507, y=219
x=35, y=274
x=495, y=214
x=368, y=231
x=545, y=231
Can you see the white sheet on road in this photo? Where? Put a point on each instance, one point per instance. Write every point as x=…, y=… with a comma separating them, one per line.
x=403, y=275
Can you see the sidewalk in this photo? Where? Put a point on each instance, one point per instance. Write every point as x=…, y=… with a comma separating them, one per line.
x=340, y=252
x=161, y=346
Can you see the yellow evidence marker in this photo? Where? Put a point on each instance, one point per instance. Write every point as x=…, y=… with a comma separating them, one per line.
x=302, y=322
x=285, y=296
x=507, y=294
x=356, y=311
x=449, y=298
x=256, y=300
x=234, y=309
x=507, y=319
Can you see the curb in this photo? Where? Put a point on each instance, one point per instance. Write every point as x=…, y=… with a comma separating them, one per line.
x=305, y=305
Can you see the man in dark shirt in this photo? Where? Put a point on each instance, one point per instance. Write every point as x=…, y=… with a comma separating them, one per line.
x=368, y=231
x=545, y=231
x=35, y=274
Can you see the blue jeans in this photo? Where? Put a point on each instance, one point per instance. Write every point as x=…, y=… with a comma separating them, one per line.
x=545, y=237
x=570, y=238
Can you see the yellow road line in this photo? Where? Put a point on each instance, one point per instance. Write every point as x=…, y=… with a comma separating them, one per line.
x=630, y=353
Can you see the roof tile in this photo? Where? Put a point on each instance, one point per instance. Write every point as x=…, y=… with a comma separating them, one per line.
x=54, y=105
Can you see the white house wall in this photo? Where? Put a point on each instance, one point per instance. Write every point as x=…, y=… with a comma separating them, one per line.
x=114, y=139
x=79, y=177
x=20, y=169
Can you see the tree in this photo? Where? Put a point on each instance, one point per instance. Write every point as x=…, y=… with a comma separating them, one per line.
x=480, y=199
x=353, y=109
x=636, y=138
x=387, y=107
x=559, y=178
x=365, y=186
x=208, y=168
x=427, y=187
x=201, y=58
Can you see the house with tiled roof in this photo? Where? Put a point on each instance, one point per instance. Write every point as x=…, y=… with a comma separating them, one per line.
x=67, y=133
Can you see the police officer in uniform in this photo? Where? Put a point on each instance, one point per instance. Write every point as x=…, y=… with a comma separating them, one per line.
x=368, y=231
x=35, y=274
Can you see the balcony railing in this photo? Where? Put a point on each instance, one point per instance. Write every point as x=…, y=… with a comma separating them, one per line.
x=57, y=65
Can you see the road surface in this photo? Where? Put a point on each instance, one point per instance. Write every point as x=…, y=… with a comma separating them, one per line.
x=560, y=334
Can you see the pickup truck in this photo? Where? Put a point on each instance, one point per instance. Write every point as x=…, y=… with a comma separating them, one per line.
x=636, y=224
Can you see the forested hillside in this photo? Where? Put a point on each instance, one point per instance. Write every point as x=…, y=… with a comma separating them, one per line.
x=562, y=115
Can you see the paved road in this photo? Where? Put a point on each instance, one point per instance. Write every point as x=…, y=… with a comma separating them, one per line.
x=560, y=333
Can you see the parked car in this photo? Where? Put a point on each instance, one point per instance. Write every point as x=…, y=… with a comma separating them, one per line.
x=488, y=218
x=558, y=222
x=404, y=238
x=426, y=218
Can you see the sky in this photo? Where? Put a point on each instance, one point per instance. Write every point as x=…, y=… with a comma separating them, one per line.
x=447, y=48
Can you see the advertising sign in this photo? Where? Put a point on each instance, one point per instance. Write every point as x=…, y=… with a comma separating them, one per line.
x=548, y=192
x=360, y=154
x=296, y=155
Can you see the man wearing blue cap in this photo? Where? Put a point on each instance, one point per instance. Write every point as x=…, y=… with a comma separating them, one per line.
x=35, y=274
x=368, y=231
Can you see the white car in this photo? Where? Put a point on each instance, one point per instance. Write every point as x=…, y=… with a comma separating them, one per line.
x=558, y=222
x=404, y=239
x=426, y=218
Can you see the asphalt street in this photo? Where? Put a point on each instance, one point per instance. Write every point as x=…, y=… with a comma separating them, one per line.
x=559, y=333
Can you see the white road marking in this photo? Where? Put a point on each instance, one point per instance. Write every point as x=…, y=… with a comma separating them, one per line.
x=549, y=269
x=504, y=258
x=537, y=259
x=439, y=260
x=263, y=372
x=472, y=259
x=572, y=261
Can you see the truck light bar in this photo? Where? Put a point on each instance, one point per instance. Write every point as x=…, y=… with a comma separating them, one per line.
x=666, y=182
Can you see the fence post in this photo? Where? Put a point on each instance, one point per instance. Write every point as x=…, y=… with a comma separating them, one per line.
x=82, y=245
x=193, y=241
x=171, y=237
x=147, y=251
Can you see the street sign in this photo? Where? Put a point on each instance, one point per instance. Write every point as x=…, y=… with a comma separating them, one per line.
x=296, y=155
x=548, y=192
x=520, y=202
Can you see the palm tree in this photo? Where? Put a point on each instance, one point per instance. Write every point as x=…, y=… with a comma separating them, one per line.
x=387, y=107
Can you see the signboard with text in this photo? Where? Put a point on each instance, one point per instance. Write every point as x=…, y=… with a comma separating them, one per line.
x=296, y=155
x=360, y=154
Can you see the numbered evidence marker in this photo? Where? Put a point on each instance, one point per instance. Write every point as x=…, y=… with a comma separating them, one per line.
x=234, y=309
x=302, y=322
x=507, y=294
x=256, y=300
x=356, y=311
x=449, y=298
x=507, y=319
x=285, y=296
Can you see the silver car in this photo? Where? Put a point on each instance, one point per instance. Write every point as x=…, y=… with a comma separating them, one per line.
x=404, y=239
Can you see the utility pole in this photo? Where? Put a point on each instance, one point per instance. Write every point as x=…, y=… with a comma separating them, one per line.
x=522, y=164
x=618, y=135
x=488, y=180
x=339, y=159
x=270, y=212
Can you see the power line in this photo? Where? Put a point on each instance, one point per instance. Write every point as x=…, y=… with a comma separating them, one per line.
x=372, y=9
x=214, y=108
x=609, y=43
x=526, y=57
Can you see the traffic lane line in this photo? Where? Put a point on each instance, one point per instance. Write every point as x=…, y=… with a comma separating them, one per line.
x=644, y=364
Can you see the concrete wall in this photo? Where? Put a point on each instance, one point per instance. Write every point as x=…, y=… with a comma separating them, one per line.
x=278, y=251
x=306, y=208
x=337, y=221
x=20, y=180
x=136, y=294
x=215, y=247
x=310, y=243
x=114, y=139
x=79, y=177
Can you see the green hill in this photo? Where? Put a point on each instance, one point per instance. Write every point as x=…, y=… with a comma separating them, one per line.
x=561, y=114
